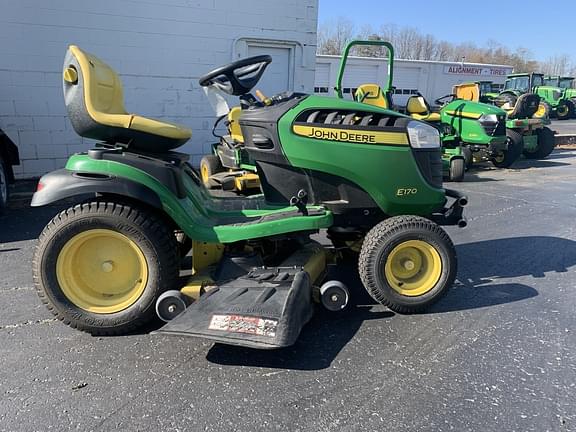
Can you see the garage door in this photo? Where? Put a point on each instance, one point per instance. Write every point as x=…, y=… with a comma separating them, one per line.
x=356, y=75
x=322, y=78
x=407, y=83
x=279, y=76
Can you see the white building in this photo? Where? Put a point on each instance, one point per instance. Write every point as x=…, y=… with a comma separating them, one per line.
x=432, y=79
x=159, y=48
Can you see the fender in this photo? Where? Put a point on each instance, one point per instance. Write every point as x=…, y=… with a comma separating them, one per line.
x=64, y=183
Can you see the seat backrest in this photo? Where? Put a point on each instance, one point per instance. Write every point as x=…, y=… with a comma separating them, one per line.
x=371, y=94
x=93, y=95
x=417, y=105
x=468, y=91
x=526, y=106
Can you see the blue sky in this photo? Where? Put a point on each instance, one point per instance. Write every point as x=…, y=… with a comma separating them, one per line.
x=512, y=23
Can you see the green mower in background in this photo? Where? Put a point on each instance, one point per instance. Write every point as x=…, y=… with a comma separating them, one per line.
x=553, y=97
x=526, y=120
x=371, y=178
x=469, y=130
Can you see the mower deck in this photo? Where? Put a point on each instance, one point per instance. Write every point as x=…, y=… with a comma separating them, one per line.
x=263, y=308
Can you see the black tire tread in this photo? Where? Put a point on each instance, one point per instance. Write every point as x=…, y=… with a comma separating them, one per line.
x=546, y=144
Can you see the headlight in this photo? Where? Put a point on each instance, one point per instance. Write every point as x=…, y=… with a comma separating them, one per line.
x=488, y=118
x=423, y=135
x=557, y=94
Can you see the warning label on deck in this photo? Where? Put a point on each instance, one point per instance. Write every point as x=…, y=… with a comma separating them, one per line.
x=244, y=324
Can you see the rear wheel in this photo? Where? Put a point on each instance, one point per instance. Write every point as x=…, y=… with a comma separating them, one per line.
x=546, y=144
x=565, y=110
x=100, y=266
x=407, y=263
x=515, y=145
x=210, y=165
x=3, y=186
x=457, y=169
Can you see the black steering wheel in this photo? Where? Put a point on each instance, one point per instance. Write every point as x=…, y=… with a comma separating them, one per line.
x=445, y=99
x=239, y=77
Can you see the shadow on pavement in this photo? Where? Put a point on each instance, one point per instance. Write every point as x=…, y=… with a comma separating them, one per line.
x=531, y=163
x=483, y=263
x=466, y=297
x=472, y=177
x=318, y=345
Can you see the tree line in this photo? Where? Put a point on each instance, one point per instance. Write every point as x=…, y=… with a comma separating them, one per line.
x=411, y=44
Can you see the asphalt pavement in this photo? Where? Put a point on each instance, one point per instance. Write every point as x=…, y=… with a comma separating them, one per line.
x=564, y=127
x=498, y=353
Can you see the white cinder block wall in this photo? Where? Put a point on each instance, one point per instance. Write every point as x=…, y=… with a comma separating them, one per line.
x=159, y=47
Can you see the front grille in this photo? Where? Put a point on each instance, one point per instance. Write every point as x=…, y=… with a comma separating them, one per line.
x=429, y=162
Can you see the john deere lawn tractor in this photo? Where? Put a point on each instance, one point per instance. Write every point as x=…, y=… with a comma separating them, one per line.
x=566, y=84
x=111, y=264
x=526, y=120
x=466, y=128
x=553, y=97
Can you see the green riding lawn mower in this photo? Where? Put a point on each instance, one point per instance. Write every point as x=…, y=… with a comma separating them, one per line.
x=367, y=175
x=469, y=130
x=526, y=119
x=553, y=97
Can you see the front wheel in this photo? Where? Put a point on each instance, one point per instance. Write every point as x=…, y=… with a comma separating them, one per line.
x=100, y=266
x=407, y=263
x=546, y=144
x=515, y=145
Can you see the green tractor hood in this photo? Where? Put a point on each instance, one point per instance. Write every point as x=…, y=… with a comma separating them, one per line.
x=476, y=123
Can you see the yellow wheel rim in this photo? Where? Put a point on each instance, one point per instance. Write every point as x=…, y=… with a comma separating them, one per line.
x=102, y=271
x=541, y=112
x=499, y=157
x=204, y=173
x=563, y=110
x=413, y=268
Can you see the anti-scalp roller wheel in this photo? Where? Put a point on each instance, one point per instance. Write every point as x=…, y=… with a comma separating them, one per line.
x=334, y=296
x=170, y=304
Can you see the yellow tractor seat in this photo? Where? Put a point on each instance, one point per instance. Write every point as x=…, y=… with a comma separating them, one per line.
x=418, y=109
x=371, y=94
x=94, y=99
